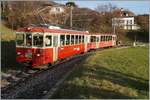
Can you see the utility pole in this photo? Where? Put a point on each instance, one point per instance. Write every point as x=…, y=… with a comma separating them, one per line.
x=114, y=25
x=114, y=29
x=71, y=8
x=71, y=5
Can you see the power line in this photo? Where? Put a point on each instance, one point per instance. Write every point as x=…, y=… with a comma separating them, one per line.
x=83, y=20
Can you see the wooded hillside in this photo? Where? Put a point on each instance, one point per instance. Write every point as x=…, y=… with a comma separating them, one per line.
x=17, y=14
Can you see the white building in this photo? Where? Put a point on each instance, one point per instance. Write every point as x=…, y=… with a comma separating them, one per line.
x=126, y=23
x=56, y=10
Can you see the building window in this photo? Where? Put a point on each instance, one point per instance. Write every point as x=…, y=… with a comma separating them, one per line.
x=57, y=9
x=130, y=21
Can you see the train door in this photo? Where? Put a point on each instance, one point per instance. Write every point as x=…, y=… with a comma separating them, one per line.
x=97, y=41
x=55, y=47
x=100, y=41
x=86, y=42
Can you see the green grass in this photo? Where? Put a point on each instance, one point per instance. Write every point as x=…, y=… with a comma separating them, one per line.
x=113, y=73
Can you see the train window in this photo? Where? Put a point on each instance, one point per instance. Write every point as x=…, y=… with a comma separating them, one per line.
x=93, y=38
x=102, y=38
x=72, y=39
x=67, y=39
x=107, y=38
x=38, y=40
x=48, y=40
x=83, y=39
x=97, y=39
x=29, y=39
x=80, y=39
x=76, y=39
x=62, y=40
x=20, y=39
x=110, y=37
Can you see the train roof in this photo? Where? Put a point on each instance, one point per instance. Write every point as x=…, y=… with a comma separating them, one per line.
x=43, y=29
x=95, y=34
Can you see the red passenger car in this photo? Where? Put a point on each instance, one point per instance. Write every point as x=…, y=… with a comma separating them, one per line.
x=39, y=45
x=101, y=40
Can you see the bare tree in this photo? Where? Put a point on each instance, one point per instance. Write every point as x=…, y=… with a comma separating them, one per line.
x=105, y=7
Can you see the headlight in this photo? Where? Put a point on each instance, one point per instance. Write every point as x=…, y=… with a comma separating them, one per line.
x=18, y=53
x=38, y=55
x=28, y=55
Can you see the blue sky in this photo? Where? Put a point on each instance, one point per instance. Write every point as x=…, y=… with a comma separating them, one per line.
x=136, y=6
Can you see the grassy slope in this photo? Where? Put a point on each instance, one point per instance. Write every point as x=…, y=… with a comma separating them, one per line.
x=7, y=34
x=8, y=48
x=115, y=73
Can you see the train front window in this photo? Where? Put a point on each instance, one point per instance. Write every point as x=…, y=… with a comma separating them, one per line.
x=20, y=39
x=38, y=40
x=48, y=40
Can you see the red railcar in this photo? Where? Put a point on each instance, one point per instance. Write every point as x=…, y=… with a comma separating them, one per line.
x=101, y=40
x=39, y=45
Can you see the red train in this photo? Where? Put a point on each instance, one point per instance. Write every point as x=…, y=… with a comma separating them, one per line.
x=39, y=45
